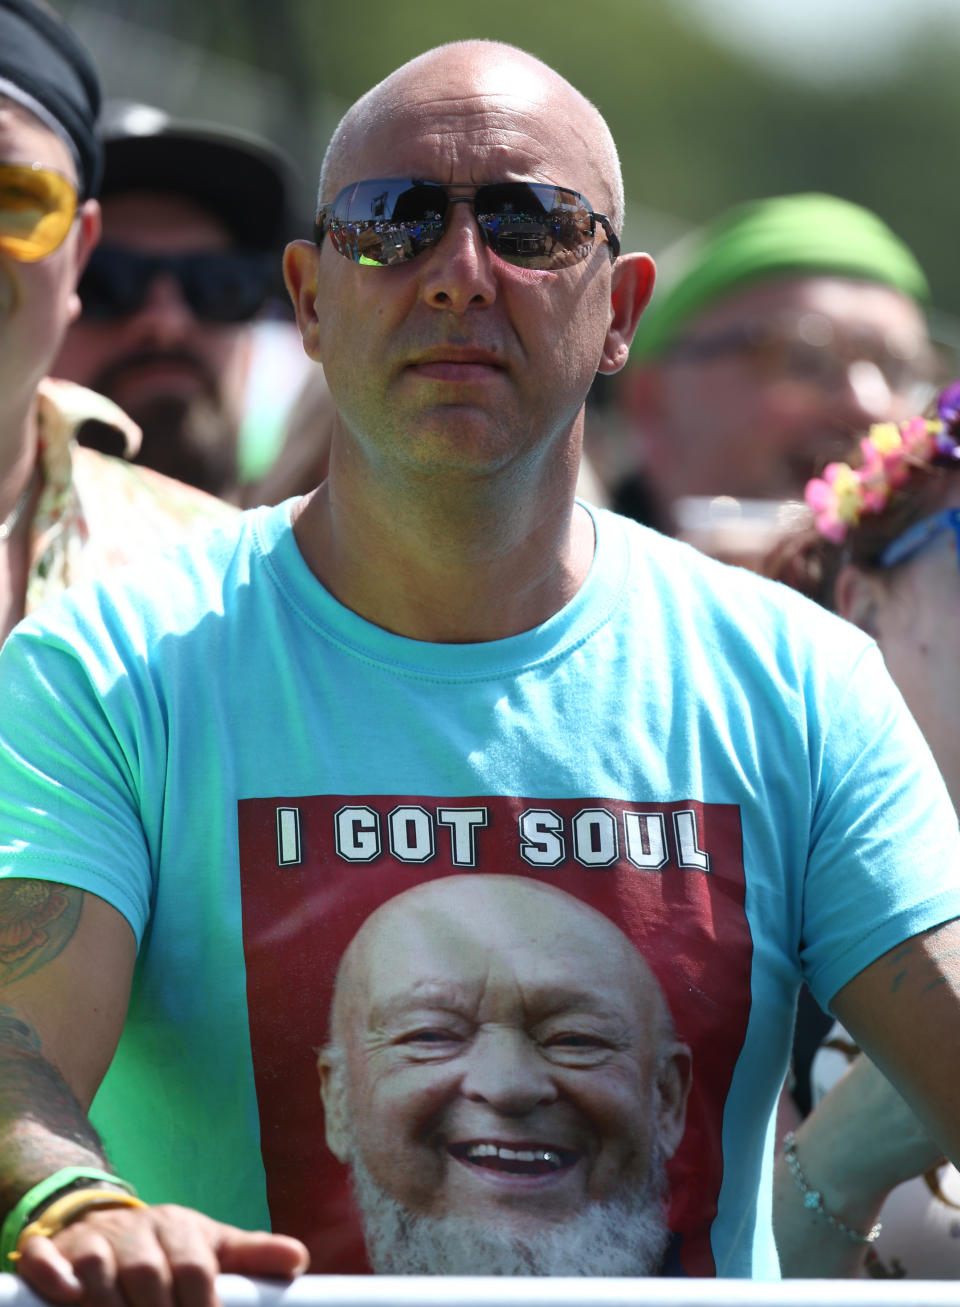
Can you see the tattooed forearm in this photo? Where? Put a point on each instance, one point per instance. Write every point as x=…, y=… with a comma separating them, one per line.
x=16, y=1033
x=42, y=1126
x=37, y=921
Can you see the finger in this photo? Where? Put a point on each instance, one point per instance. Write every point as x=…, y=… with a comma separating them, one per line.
x=143, y=1270
x=94, y=1265
x=188, y=1241
x=47, y=1271
x=255, y=1252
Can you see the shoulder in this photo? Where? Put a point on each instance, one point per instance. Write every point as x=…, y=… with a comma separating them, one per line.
x=732, y=605
x=161, y=592
x=138, y=508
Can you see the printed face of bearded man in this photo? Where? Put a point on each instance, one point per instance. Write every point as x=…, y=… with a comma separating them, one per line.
x=503, y=1080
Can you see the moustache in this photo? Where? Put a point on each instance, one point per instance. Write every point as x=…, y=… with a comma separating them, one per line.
x=117, y=368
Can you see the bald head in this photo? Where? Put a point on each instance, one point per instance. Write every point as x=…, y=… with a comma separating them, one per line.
x=458, y=920
x=466, y=74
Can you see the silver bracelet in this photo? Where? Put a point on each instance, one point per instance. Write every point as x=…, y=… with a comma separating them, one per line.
x=813, y=1199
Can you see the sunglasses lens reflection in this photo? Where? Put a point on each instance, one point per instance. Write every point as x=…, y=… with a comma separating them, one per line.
x=536, y=226
x=388, y=221
x=383, y=222
x=225, y=288
x=37, y=207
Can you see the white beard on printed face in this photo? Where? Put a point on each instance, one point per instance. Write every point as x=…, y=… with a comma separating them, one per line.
x=623, y=1236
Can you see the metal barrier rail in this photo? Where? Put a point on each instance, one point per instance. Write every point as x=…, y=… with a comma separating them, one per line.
x=476, y=1291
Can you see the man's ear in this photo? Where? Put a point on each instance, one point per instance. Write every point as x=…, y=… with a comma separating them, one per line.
x=300, y=267
x=333, y=1091
x=88, y=234
x=630, y=288
x=857, y=596
x=674, y=1077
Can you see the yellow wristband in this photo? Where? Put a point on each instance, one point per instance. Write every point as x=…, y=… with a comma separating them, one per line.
x=70, y=1208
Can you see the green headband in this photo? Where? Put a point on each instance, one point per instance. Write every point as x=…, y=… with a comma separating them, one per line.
x=807, y=234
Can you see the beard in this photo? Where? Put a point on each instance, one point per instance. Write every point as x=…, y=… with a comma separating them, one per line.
x=190, y=437
x=625, y=1236
x=193, y=441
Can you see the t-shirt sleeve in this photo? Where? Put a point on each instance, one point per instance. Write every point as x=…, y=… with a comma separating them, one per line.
x=72, y=765
x=884, y=860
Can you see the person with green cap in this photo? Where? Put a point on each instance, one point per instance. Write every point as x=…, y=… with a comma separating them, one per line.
x=775, y=330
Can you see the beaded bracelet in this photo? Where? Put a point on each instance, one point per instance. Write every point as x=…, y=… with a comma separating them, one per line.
x=813, y=1199
x=35, y=1199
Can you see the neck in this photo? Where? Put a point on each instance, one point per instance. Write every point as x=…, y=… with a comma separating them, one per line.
x=18, y=460
x=448, y=562
x=18, y=456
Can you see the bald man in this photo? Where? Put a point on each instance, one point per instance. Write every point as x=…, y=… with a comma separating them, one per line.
x=270, y=732
x=503, y=1080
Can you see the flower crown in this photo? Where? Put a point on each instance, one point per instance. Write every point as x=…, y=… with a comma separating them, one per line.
x=843, y=494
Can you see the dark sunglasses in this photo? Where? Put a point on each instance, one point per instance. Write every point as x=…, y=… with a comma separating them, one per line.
x=810, y=351
x=219, y=287
x=389, y=220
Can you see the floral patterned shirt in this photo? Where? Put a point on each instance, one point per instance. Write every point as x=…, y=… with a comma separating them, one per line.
x=96, y=512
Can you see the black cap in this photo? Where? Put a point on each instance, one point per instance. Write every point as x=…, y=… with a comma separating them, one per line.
x=243, y=179
x=44, y=67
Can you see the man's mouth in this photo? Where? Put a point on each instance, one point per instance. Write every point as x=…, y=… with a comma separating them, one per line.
x=514, y=1159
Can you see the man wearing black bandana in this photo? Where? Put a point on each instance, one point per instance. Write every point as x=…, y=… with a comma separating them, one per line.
x=64, y=514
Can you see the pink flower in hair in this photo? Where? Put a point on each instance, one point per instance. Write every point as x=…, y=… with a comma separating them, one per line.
x=836, y=500
x=919, y=438
x=882, y=451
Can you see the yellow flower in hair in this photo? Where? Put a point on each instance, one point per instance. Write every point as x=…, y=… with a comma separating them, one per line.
x=885, y=451
x=885, y=437
x=847, y=492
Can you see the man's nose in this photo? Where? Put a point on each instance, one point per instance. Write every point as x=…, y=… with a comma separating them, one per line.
x=506, y=1071
x=458, y=273
x=164, y=316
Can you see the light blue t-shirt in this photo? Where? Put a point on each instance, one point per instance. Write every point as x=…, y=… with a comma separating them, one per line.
x=245, y=769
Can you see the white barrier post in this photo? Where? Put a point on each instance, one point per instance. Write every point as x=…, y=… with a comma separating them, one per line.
x=477, y=1291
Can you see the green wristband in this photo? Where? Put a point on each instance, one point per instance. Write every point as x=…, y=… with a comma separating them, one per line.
x=40, y=1195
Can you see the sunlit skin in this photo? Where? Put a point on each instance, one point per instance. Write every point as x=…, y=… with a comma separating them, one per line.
x=913, y=611
x=170, y=351
x=37, y=301
x=718, y=426
x=504, y=1052
x=460, y=379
